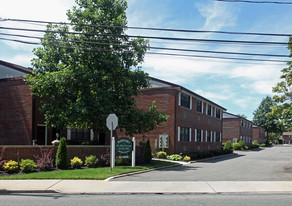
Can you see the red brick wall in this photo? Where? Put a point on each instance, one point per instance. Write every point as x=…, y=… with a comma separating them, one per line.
x=231, y=129
x=258, y=135
x=166, y=99
x=15, y=112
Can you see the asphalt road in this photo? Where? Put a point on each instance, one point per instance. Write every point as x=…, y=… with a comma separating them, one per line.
x=268, y=164
x=146, y=200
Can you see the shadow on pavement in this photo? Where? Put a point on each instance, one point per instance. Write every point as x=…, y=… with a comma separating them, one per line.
x=222, y=158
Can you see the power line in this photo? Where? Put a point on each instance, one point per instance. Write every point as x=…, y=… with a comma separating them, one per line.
x=150, y=47
x=256, y=2
x=151, y=28
x=152, y=37
x=155, y=53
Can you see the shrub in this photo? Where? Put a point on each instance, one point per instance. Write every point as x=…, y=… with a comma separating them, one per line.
x=27, y=165
x=228, y=147
x=147, y=157
x=175, y=157
x=119, y=162
x=187, y=158
x=104, y=159
x=262, y=145
x=10, y=166
x=255, y=144
x=193, y=155
x=76, y=162
x=241, y=144
x=45, y=161
x=161, y=155
x=236, y=146
x=62, y=155
x=91, y=161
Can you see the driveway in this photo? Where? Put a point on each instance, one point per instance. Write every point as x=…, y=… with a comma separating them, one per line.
x=267, y=164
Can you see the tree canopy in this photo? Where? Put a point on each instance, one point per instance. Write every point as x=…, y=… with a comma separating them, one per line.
x=283, y=110
x=89, y=68
x=260, y=116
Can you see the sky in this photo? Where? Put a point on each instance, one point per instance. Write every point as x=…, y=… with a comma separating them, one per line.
x=238, y=86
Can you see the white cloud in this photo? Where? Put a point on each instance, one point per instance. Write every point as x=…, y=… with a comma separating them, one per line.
x=217, y=15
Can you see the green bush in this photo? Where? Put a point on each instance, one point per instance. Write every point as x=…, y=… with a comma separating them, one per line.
x=76, y=162
x=241, y=144
x=161, y=155
x=175, y=157
x=119, y=162
x=228, y=147
x=91, y=161
x=236, y=146
x=28, y=165
x=262, y=145
x=62, y=155
x=187, y=158
x=255, y=145
x=10, y=166
x=147, y=157
x=193, y=155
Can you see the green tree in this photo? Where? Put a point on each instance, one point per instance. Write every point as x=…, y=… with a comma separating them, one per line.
x=283, y=110
x=83, y=72
x=262, y=119
x=62, y=155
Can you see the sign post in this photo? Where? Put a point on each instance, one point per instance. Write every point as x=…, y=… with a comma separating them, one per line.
x=134, y=153
x=112, y=123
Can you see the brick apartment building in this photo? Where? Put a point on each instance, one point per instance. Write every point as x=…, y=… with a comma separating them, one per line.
x=286, y=137
x=258, y=134
x=236, y=128
x=195, y=123
x=16, y=103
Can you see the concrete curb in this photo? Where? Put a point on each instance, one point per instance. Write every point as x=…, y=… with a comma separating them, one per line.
x=141, y=172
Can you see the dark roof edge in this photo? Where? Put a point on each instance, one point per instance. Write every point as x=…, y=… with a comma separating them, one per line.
x=176, y=85
x=238, y=117
x=16, y=67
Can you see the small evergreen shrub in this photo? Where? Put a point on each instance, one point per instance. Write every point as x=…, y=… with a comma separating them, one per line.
x=147, y=157
x=62, y=155
x=91, y=161
x=76, y=162
x=187, y=158
x=161, y=155
x=27, y=165
x=10, y=166
x=44, y=161
x=255, y=145
x=193, y=155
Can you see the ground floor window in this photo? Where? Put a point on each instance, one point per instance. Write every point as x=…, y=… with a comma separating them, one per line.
x=77, y=134
x=199, y=135
x=184, y=134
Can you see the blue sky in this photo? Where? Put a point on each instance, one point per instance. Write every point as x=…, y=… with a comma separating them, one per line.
x=239, y=86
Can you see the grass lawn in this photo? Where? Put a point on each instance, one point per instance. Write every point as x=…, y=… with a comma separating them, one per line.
x=92, y=173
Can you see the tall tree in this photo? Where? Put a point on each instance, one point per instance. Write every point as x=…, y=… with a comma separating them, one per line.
x=261, y=119
x=283, y=110
x=89, y=68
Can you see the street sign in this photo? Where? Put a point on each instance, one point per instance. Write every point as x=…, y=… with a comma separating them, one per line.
x=112, y=122
x=124, y=146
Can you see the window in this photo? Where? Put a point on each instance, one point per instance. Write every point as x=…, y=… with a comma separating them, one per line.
x=209, y=110
x=217, y=137
x=234, y=140
x=199, y=135
x=208, y=136
x=185, y=100
x=77, y=134
x=218, y=113
x=199, y=106
x=184, y=134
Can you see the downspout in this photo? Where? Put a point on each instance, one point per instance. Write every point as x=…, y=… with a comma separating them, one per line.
x=175, y=126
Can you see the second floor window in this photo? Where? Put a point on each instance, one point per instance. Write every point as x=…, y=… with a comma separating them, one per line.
x=209, y=110
x=199, y=106
x=218, y=113
x=199, y=135
x=185, y=100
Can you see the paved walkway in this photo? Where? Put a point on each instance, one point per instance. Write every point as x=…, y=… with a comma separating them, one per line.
x=105, y=187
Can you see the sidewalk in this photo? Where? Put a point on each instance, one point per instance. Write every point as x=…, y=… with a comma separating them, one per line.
x=105, y=187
